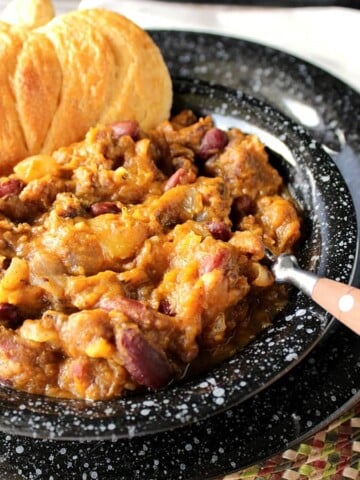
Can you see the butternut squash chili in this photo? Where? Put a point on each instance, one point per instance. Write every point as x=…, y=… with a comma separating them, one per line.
x=128, y=256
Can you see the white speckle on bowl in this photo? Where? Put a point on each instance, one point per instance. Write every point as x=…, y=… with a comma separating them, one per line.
x=218, y=392
x=291, y=357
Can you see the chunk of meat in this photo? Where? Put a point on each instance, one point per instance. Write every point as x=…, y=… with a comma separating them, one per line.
x=41, y=193
x=88, y=332
x=190, y=135
x=249, y=243
x=27, y=202
x=151, y=322
x=26, y=364
x=204, y=200
x=280, y=222
x=93, y=379
x=15, y=209
x=245, y=168
x=176, y=205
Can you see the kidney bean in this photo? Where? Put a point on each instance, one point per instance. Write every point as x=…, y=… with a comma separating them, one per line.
x=177, y=178
x=12, y=186
x=10, y=316
x=166, y=308
x=100, y=208
x=148, y=366
x=210, y=262
x=6, y=263
x=220, y=231
x=213, y=142
x=126, y=127
x=242, y=204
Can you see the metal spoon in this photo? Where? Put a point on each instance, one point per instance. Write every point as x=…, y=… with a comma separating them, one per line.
x=339, y=299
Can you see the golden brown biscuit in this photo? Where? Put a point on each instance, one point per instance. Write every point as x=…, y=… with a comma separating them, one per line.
x=28, y=13
x=77, y=70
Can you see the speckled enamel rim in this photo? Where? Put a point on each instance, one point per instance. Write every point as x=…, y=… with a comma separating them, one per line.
x=329, y=249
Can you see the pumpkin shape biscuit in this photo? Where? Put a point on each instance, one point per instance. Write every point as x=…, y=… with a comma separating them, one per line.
x=73, y=72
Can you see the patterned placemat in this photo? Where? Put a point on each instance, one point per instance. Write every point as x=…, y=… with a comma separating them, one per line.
x=332, y=454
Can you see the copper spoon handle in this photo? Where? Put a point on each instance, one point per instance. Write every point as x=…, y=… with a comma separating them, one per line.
x=339, y=299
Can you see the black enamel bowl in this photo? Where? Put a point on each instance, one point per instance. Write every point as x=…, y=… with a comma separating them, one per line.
x=329, y=248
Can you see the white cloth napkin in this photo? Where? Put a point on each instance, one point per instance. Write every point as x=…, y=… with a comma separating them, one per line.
x=328, y=36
